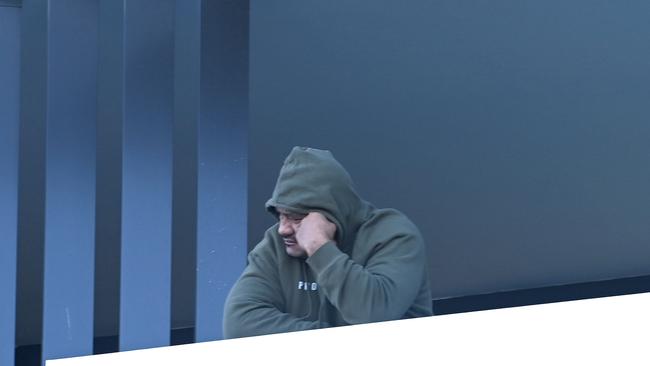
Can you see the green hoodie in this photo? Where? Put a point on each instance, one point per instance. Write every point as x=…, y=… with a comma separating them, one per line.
x=376, y=272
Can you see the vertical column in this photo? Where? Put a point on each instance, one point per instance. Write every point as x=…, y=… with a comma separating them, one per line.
x=9, y=99
x=187, y=83
x=222, y=152
x=147, y=174
x=31, y=188
x=70, y=179
x=110, y=116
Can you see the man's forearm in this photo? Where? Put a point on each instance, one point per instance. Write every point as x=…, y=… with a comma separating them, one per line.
x=248, y=319
x=363, y=296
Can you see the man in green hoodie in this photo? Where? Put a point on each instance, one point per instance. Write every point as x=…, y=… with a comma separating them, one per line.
x=332, y=259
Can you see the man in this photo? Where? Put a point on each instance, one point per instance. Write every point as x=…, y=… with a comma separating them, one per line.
x=332, y=259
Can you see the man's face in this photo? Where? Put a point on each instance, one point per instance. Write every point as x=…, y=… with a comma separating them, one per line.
x=287, y=228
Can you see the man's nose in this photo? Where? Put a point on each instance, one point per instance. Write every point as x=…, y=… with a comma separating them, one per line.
x=285, y=229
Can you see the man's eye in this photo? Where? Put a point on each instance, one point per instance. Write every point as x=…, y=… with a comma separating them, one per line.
x=293, y=218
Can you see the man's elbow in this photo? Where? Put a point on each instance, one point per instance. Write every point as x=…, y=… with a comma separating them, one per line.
x=235, y=326
x=382, y=305
x=233, y=320
x=233, y=329
x=372, y=314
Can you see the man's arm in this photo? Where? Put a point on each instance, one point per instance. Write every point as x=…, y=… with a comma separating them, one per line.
x=382, y=290
x=254, y=303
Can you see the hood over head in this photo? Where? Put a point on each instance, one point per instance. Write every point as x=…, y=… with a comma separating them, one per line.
x=312, y=180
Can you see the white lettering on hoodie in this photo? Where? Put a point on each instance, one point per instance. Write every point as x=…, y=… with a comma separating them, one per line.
x=307, y=286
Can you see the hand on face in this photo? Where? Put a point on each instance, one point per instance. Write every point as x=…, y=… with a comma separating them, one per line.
x=304, y=235
x=314, y=231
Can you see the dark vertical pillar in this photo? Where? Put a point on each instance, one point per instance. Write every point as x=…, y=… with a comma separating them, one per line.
x=147, y=174
x=222, y=154
x=110, y=115
x=9, y=100
x=70, y=179
x=31, y=188
x=187, y=82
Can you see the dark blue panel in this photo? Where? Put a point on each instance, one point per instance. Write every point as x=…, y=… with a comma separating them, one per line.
x=70, y=179
x=187, y=72
x=147, y=174
x=11, y=3
x=9, y=99
x=110, y=107
x=222, y=149
x=31, y=190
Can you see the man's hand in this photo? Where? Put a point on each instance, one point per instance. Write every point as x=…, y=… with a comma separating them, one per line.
x=314, y=231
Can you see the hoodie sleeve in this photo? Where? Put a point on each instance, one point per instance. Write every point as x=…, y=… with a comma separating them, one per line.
x=254, y=304
x=383, y=289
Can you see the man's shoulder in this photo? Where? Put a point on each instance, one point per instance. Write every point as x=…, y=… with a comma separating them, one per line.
x=389, y=219
x=387, y=231
x=385, y=224
x=269, y=244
